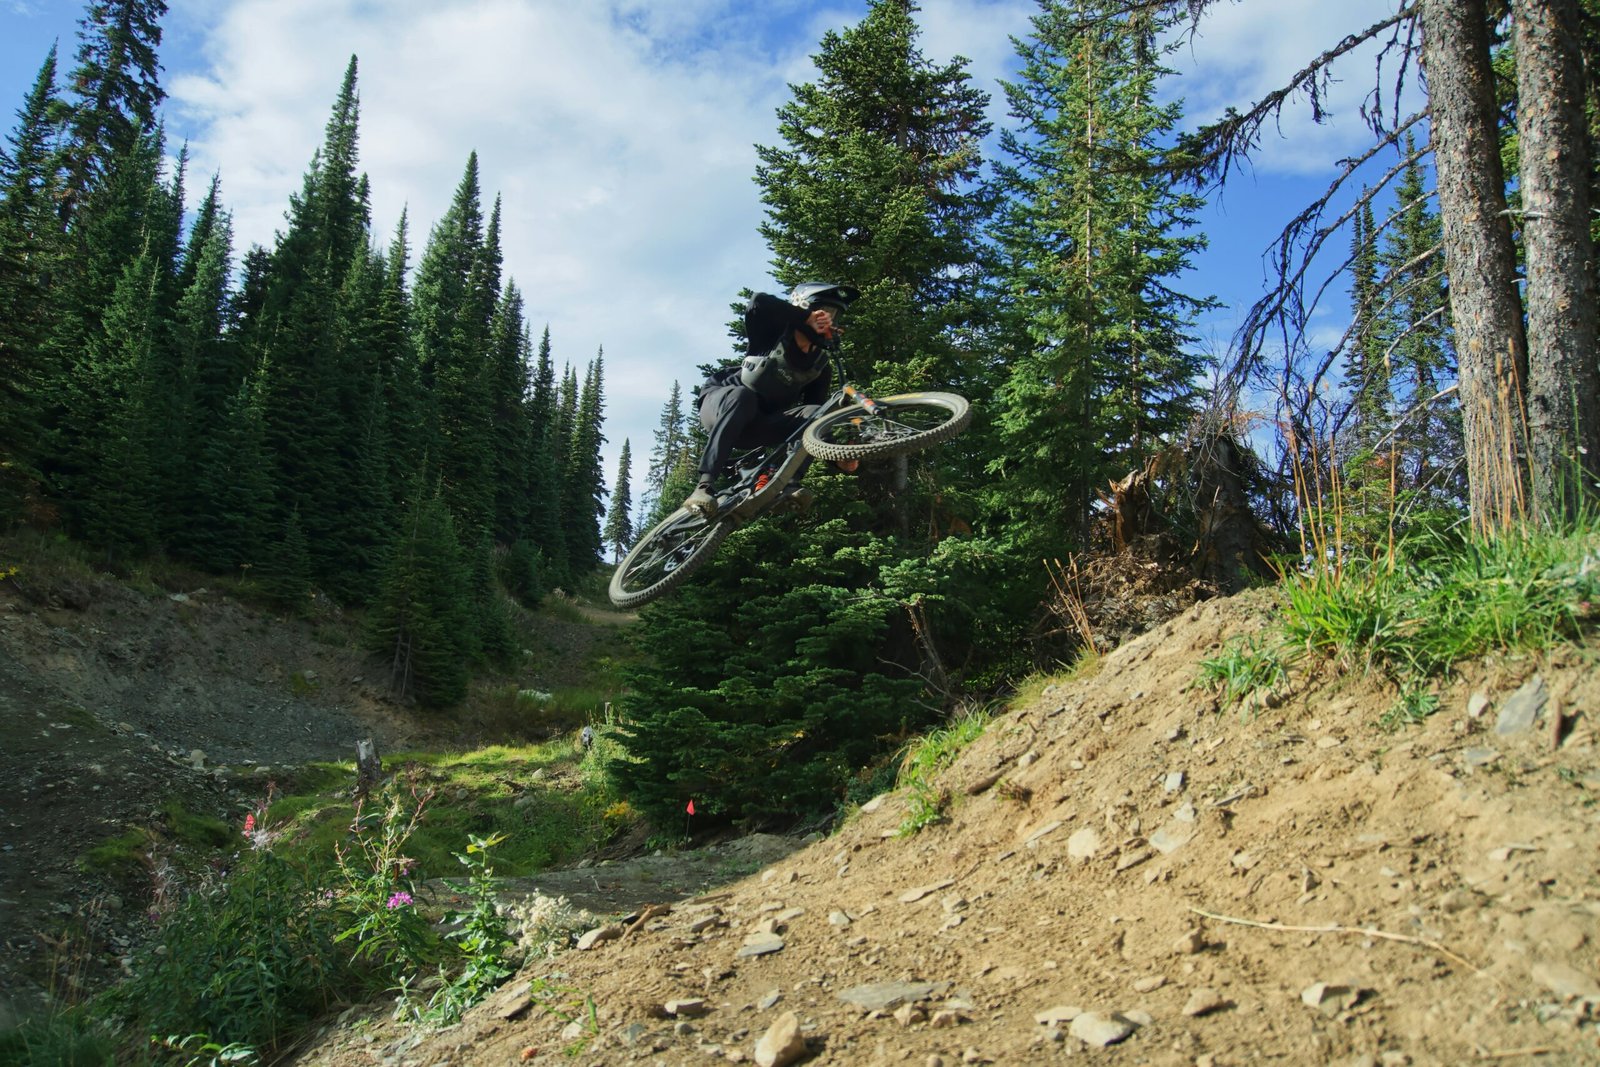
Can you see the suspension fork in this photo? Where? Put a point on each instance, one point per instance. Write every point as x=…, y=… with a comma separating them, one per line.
x=863, y=399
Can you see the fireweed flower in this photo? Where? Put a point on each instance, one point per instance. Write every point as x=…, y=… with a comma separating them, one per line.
x=250, y=824
x=399, y=900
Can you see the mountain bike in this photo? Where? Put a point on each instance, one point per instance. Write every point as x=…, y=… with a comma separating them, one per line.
x=850, y=426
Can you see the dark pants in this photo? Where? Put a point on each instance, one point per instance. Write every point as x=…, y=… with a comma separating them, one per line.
x=732, y=417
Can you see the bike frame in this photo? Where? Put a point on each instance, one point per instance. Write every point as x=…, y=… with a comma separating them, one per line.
x=741, y=502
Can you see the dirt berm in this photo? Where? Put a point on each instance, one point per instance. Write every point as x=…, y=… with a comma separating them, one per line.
x=1129, y=875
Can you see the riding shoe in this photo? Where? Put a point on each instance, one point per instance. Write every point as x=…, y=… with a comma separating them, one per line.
x=701, y=503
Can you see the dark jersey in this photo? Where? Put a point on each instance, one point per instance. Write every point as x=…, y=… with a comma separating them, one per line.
x=774, y=367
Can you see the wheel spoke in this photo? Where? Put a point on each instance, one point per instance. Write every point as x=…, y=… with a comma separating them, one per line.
x=868, y=428
x=668, y=551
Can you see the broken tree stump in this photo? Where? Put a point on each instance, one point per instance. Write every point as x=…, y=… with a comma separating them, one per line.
x=369, y=768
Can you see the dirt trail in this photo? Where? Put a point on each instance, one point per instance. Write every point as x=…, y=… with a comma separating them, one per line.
x=1129, y=876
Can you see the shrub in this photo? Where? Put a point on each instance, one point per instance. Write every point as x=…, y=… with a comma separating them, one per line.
x=245, y=961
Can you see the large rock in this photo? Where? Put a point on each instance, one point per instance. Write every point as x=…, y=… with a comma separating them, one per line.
x=1521, y=709
x=1093, y=1028
x=782, y=1044
x=882, y=996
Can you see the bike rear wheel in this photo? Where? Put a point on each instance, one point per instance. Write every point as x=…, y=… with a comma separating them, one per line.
x=904, y=423
x=674, y=549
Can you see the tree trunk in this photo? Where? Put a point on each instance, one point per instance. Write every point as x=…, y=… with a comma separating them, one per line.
x=369, y=767
x=1563, y=376
x=1491, y=347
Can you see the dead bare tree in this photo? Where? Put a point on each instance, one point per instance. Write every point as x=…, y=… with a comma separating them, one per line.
x=1530, y=396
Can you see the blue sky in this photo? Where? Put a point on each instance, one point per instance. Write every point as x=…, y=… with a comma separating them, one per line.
x=620, y=134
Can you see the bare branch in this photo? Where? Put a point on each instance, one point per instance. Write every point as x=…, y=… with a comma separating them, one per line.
x=1213, y=152
x=1293, y=253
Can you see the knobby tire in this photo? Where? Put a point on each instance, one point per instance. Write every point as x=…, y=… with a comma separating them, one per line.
x=662, y=559
x=908, y=422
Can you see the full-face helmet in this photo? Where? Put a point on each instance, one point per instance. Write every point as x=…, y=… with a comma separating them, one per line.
x=813, y=295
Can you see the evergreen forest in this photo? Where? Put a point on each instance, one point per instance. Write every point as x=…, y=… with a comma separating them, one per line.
x=346, y=416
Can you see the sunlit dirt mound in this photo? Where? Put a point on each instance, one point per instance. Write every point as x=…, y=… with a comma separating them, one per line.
x=1130, y=875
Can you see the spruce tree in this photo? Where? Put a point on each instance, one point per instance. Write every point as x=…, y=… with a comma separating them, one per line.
x=876, y=184
x=762, y=689
x=583, y=503
x=452, y=318
x=31, y=248
x=310, y=395
x=1423, y=357
x=396, y=362
x=494, y=638
x=421, y=619
x=1366, y=372
x=1099, y=363
x=619, y=520
x=233, y=474
x=533, y=565
x=512, y=436
x=211, y=366
x=671, y=448
x=169, y=384
x=117, y=89
x=115, y=492
x=285, y=572
x=360, y=527
x=765, y=687
x=111, y=404
x=1364, y=447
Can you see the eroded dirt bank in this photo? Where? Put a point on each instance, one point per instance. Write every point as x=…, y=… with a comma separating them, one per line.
x=1131, y=876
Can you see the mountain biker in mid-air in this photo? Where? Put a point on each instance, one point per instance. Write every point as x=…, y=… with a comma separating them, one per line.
x=780, y=383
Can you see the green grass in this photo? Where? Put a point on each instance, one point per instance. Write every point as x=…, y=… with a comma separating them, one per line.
x=926, y=757
x=1244, y=667
x=472, y=793
x=197, y=831
x=126, y=857
x=121, y=858
x=59, y=1038
x=1443, y=604
x=1442, y=601
x=1414, y=704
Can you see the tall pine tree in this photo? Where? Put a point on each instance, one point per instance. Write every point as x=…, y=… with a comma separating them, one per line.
x=767, y=708
x=452, y=310
x=1099, y=363
x=1423, y=358
x=117, y=88
x=619, y=520
x=31, y=249
x=671, y=449
x=310, y=395
x=584, y=481
x=875, y=184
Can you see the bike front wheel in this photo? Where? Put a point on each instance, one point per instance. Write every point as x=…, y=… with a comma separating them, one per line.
x=663, y=558
x=904, y=423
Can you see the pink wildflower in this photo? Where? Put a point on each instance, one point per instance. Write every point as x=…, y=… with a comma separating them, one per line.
x=250, y=824
x=399, y=900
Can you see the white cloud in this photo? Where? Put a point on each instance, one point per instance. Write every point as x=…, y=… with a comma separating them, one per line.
x=620, y=137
